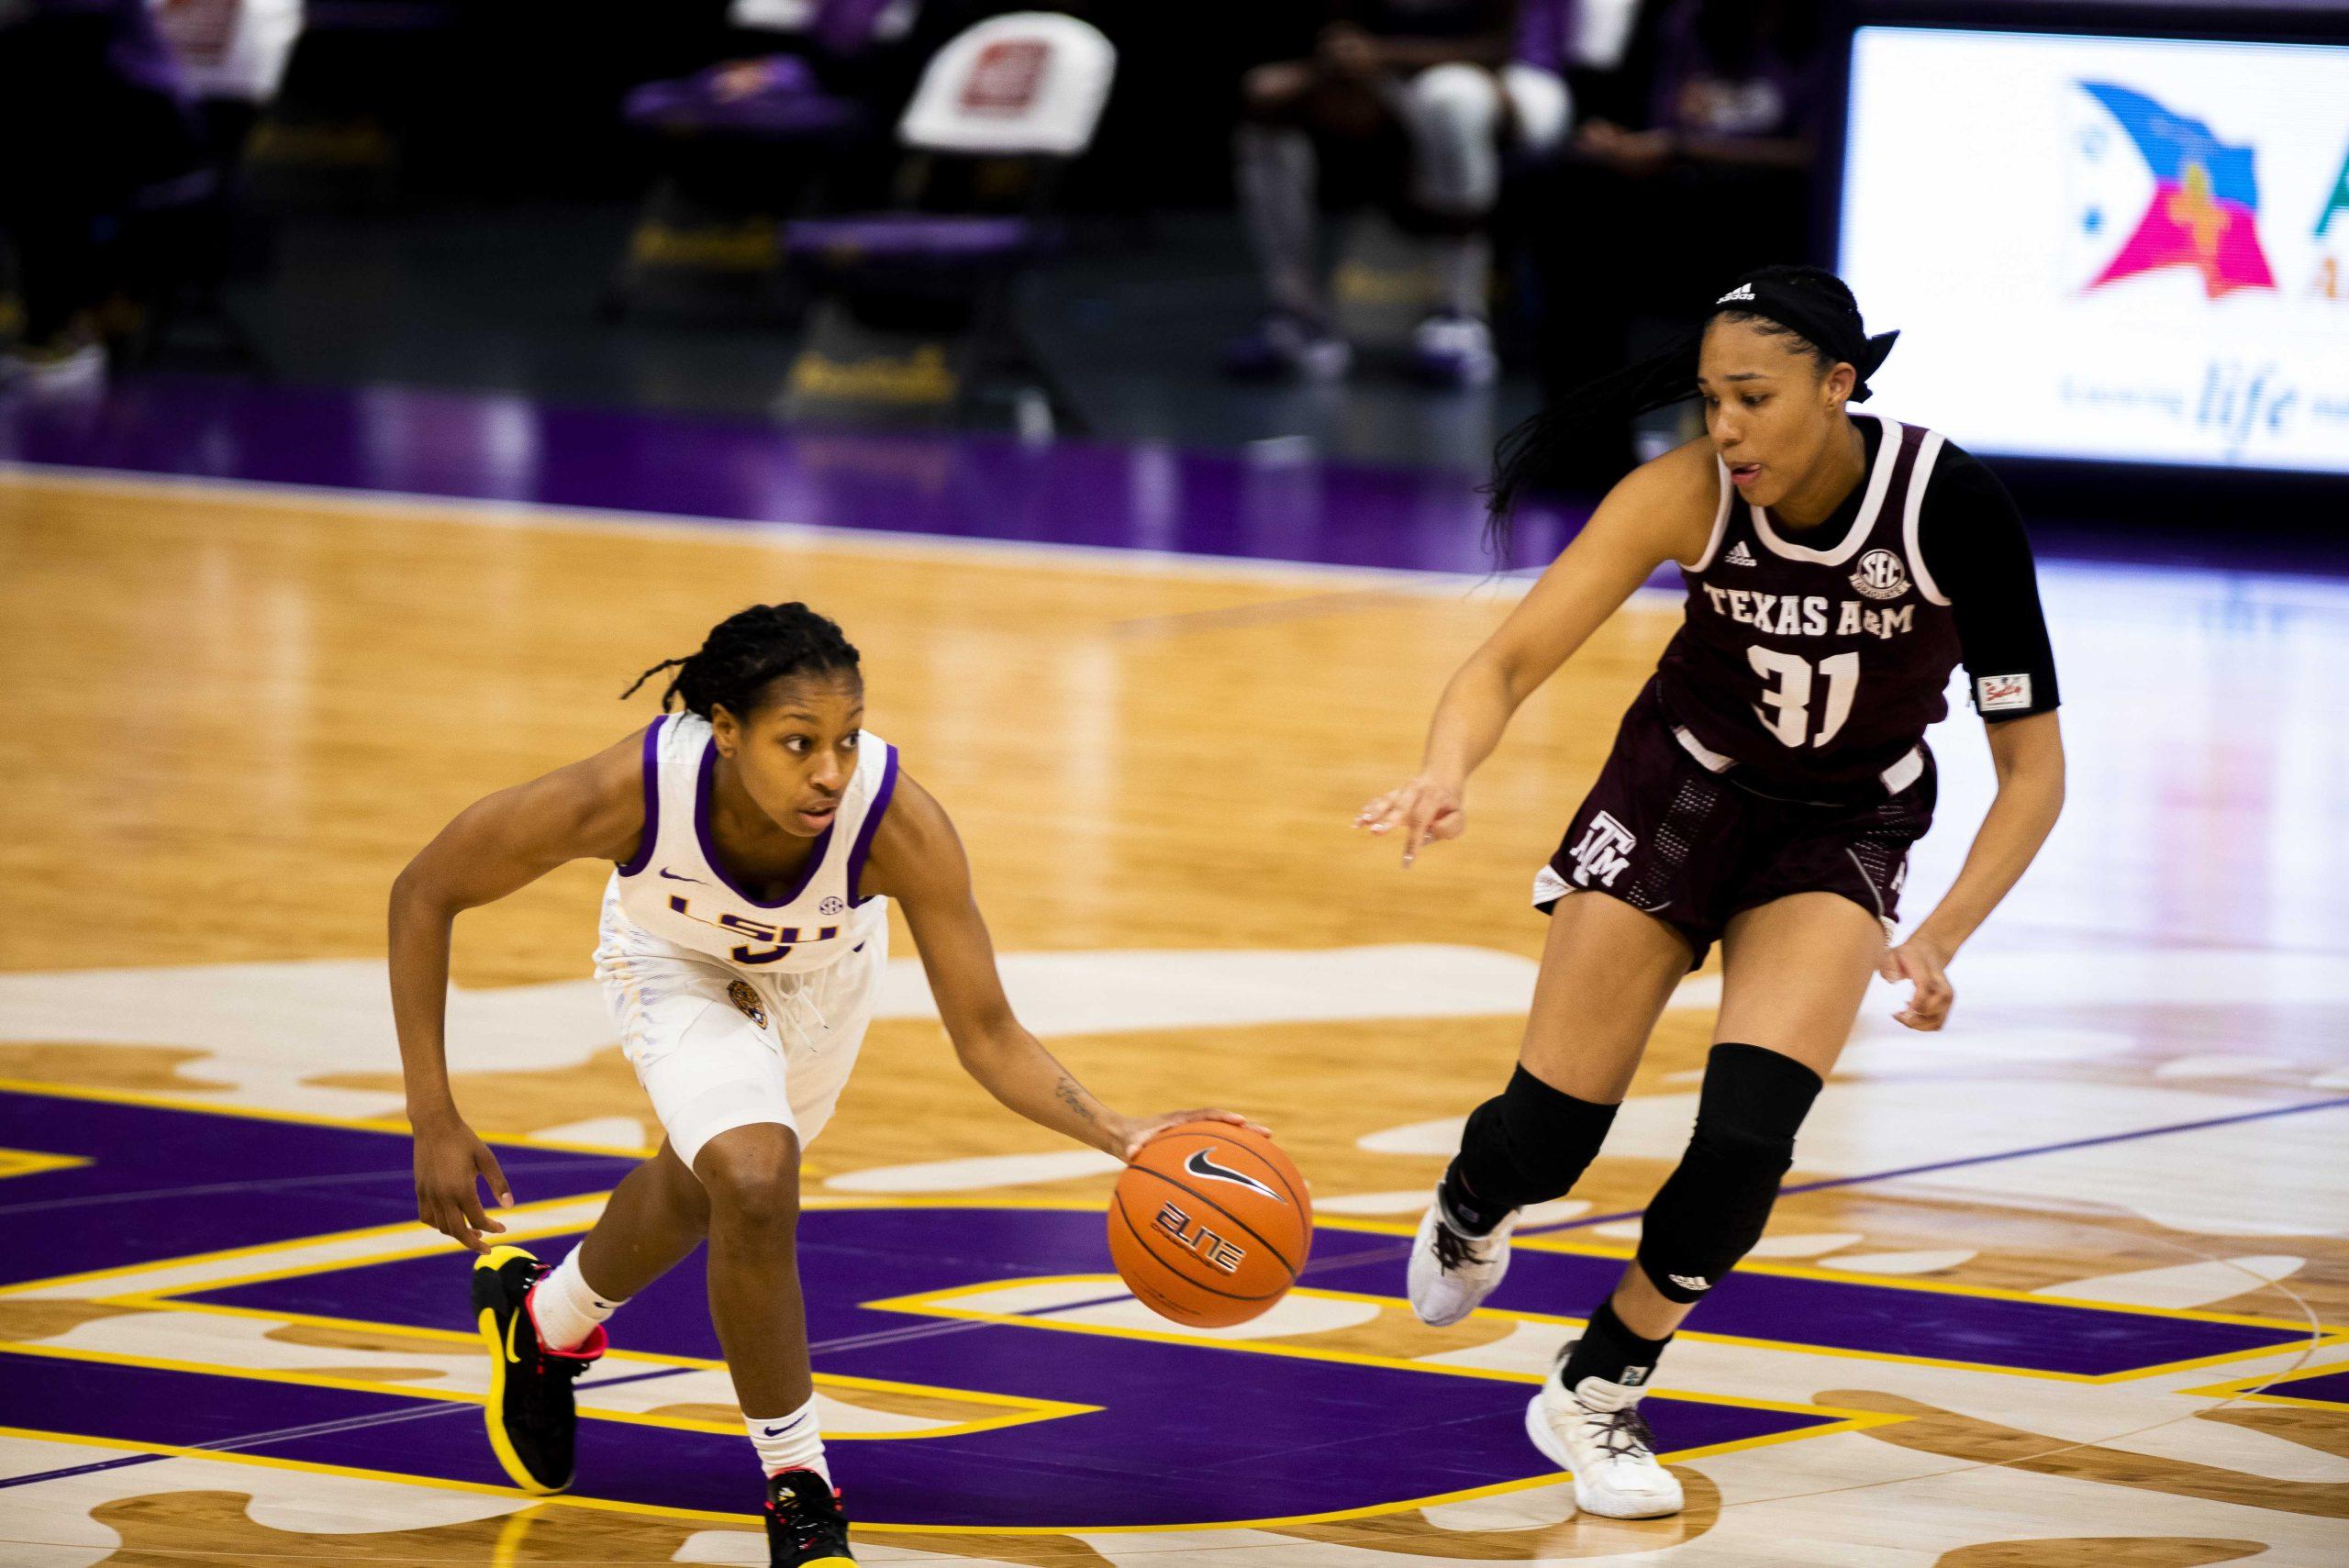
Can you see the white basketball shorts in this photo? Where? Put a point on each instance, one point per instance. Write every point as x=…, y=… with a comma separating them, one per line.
x=718, y=1048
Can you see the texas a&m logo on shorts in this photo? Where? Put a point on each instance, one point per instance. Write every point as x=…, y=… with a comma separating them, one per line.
x=1604, y=852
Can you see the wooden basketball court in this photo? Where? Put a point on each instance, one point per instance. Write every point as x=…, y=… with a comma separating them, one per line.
x=2065, y=1284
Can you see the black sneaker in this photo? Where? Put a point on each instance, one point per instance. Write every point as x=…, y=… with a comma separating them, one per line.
x=805, y=1525
x=533, y=1424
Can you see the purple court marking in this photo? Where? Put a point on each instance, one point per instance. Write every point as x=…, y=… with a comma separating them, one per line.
x=851, y=1256
x=256, y=1440
x=405, y=442
x=2331, y=1387
x=484, y=446
x=1286, y=1436
x=1316, y=1436
x=158, y=1172
x=1340, y=1436
x=1822, y=1186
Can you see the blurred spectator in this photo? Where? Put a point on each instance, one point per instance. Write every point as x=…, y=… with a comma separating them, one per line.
x=93, y=113
x=1728, y=82
x=1426, y=89
x=1692, y=166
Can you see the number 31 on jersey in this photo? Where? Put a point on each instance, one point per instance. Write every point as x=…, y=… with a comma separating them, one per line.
x=1786, y=702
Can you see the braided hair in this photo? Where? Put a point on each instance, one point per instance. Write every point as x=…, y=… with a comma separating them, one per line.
x=748, y=651
x=1812, y=308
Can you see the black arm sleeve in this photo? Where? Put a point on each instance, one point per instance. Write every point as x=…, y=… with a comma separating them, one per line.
x=1972, y=538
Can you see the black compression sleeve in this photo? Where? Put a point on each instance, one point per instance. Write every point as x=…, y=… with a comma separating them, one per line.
x=1972, y=537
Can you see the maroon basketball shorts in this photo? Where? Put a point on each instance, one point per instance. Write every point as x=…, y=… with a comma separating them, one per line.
x=1668, y=836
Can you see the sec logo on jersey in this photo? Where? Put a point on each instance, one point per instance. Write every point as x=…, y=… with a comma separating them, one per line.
x=1881, y=575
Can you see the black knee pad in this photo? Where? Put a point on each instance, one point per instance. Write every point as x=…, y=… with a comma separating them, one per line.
x=1527, y=1145
x=1711, y=1211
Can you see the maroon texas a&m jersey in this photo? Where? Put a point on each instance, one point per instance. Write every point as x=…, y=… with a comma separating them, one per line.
x=1811, y=661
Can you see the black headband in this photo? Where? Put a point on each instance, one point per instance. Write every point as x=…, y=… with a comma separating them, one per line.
x=1821, y=321
x=1532, y=452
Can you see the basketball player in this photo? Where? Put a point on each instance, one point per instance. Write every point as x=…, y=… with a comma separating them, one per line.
x=1763, y=792
x=758, y=837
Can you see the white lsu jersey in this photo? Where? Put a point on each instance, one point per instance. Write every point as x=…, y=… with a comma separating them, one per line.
x=674, y=889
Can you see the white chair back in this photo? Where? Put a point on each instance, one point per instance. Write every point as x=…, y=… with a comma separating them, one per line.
x=1030, y=83
x=231, y=49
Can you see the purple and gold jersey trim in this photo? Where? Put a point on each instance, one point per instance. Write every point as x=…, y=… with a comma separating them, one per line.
x=702, y=789
x=634, y=864
x=863, y=845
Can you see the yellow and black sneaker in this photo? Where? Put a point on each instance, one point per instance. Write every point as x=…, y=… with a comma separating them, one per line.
x=805, y=1525
x=533, y=1425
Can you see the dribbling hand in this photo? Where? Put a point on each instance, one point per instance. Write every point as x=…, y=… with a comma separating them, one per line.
x=1425, y=809
x=449, y=1160
x=1140, y=1132
x=1923, y=963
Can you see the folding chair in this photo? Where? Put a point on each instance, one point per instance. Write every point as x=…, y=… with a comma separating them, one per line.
x=914, y=320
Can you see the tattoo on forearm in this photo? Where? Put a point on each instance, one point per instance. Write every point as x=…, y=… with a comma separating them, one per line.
x=1074, y=1099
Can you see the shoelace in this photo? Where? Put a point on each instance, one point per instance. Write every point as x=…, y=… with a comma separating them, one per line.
x=1452, y=1250
x=1622, y=1434
x=542, y=1398
x=805, y=1523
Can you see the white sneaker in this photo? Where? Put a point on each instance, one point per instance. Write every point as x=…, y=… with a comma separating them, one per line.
x=1286, y=346
x=1453, y=1272
x=1596, y=1431
x=76, y=371
x=1454, y=351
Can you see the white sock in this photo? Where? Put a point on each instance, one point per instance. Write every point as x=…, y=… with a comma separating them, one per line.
x=790, y=1443
x=565, y=1310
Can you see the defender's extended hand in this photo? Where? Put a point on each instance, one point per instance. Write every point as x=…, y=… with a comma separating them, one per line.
x=1931, y=996
x=1425, y=808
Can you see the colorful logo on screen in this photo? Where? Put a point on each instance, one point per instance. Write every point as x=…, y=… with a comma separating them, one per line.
x=2205, y=211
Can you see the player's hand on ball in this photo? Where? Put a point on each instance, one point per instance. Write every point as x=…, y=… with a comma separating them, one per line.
x=1138, y=1133
x=449, y=1160
x=1424, y=810
x=1922, y=964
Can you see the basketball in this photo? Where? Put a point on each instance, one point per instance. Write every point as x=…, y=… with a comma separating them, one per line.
x=1210, y=1224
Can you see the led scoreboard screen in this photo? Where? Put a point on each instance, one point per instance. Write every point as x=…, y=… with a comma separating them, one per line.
x=2118, y=248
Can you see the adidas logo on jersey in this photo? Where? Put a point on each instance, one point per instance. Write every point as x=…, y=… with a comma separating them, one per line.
x=1739, y=555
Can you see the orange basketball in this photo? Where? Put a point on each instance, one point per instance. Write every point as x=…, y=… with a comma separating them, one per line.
x=1210, y=1224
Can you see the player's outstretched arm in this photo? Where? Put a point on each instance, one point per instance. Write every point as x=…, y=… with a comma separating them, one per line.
x=918, y=860
x=497, y=845
x=1660, y=511
x=2028, y=756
